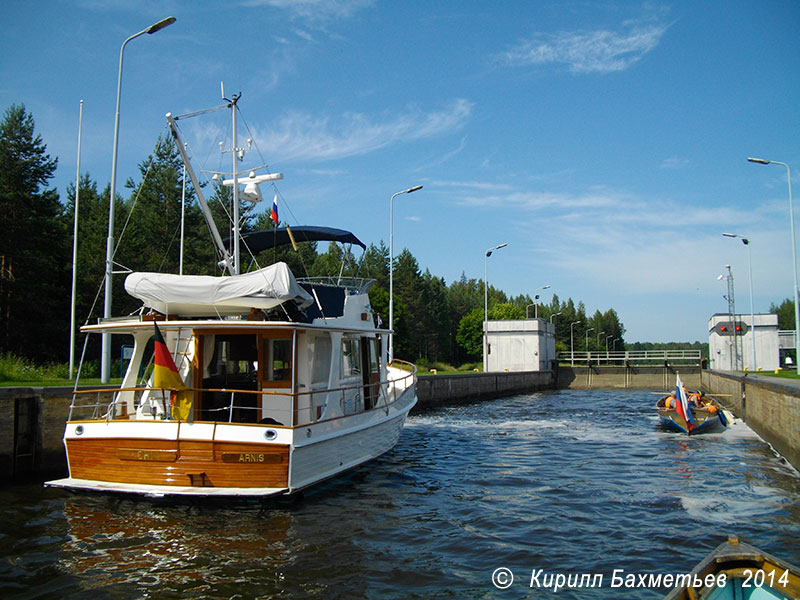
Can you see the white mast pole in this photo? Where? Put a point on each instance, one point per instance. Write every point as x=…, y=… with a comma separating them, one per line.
x=75, y=249
x=235, y=189
x=183, y=217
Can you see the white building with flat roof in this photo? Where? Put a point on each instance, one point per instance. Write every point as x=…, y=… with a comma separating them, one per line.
x=730, y=342
x=520, y=345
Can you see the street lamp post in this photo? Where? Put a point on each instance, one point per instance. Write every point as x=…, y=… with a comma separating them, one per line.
x=536, y=300
x=105, y=363
x=607, y=338
x=486, y=303
x=599, y=333
x=554, y=315
x=587, y=342
x=571, y=346
x=391, y=267
x=763, y=161
x=746, y=242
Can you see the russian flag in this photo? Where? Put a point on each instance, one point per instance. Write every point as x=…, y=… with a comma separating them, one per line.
x=273, y=214
x=682, y=404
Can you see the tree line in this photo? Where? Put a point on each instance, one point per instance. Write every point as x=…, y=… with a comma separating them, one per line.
x=433, y=321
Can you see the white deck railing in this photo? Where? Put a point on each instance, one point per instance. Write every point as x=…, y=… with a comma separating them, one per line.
x=633, y=357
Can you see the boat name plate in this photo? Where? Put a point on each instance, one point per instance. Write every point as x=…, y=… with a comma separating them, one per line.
x=148, y=455
x=251, y=457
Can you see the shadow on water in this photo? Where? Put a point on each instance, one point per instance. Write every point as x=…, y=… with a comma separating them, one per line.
x=564, y=481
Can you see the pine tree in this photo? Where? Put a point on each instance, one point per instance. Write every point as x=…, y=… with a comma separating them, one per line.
x=34, y=248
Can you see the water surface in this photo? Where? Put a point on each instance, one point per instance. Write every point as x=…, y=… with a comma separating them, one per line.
x=567, y=482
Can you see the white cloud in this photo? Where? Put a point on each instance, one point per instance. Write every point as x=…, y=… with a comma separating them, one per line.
x=302, y=136
x=484, y=186
x=315, y=11
x=600, y=51
x=674, y=163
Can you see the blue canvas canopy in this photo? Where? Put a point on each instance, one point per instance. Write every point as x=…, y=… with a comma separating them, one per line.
x=256, y=241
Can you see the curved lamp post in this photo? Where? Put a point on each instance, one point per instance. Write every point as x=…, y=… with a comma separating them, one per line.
x=746, y=242
x=486, y=303
x=105, y=363
x=554, y=315
x=391, y=267
x=587, y=341
x=536, y=300
x=763, y=161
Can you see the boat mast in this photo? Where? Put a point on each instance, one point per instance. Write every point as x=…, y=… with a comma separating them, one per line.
x=226, y=257
x=236, y=152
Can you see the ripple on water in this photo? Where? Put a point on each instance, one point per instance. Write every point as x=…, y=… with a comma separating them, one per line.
x=564, y=481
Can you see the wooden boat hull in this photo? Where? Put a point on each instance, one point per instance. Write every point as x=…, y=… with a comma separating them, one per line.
x=749, y=574
x=172, y=458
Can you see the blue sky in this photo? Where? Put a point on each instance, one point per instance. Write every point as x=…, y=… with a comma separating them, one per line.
x=605, y=142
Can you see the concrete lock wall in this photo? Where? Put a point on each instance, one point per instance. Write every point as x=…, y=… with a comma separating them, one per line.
x=31, y=432
x=633, y=377
x=31, y=440
x=434, y=390
x=770, y=407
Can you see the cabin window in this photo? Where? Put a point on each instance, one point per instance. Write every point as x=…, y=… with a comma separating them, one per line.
x=321, y=360
x=232, y=363
x=374, y=361
x=234, y=358
x=351, y=357
x=278, y=359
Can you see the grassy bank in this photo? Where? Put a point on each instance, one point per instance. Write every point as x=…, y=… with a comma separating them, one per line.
x=781, y=374
x=16, y=371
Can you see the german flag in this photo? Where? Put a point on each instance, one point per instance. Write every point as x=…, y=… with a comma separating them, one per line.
x=166, y=377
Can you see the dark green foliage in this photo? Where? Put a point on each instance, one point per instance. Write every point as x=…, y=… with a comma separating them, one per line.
x=785, y=314
x=34, y=246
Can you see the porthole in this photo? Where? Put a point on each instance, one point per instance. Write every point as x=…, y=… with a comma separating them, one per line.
x=270, y=434
x=79, y=430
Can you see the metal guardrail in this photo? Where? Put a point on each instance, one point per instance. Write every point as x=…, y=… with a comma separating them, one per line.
x=101, y=404
x=633, y=357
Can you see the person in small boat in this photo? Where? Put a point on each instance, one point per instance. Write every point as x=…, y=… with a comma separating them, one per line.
x=698, y=399
x=667, y=401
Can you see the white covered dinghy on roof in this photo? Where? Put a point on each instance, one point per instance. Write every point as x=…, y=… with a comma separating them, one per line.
x=199, y=295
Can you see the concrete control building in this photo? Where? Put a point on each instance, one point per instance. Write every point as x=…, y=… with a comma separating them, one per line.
x=730, y=342
x=520, y=345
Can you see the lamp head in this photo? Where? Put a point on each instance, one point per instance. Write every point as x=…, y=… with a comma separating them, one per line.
x=160, y=25
x=760, y=161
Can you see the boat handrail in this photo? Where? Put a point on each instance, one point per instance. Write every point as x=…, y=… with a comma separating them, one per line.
x=360, y=285
x=386, y=387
